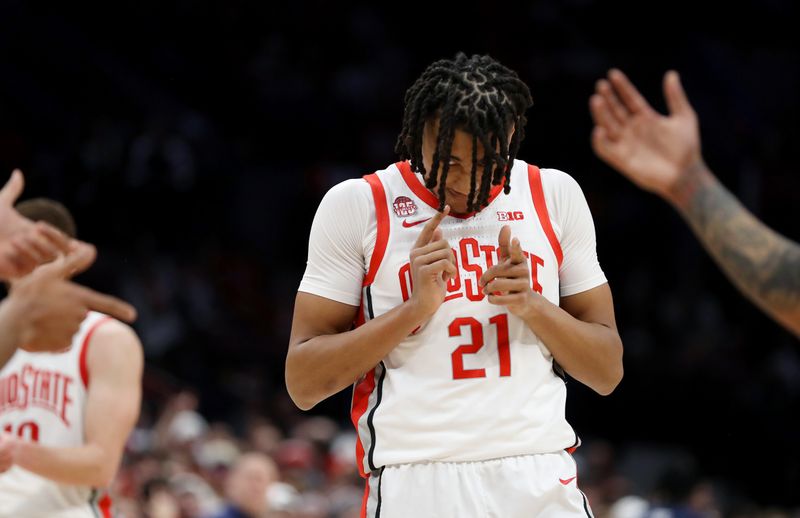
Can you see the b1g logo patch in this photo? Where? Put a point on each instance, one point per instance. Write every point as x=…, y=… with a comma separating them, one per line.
x=404, y=206
x=510, y=216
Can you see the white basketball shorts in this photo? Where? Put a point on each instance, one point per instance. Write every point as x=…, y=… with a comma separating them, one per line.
x=526, y=486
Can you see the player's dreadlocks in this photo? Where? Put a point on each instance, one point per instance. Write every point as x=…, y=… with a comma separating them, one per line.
x=475, y=94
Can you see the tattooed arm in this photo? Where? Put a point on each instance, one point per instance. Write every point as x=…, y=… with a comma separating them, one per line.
x=662, y=154
x=764, y=265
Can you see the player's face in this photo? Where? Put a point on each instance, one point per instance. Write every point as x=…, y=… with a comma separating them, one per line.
x=459, y=176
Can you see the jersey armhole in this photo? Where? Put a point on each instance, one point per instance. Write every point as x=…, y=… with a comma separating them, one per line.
x=84, y=368
x=382, y=234
x=539, y=203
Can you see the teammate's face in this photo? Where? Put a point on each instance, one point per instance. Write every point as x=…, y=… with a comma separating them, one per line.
x=459, y=176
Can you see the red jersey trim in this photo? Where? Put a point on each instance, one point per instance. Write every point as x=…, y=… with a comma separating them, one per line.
x=84, y=369
x=361, y=393
x=429, y=198
x=537, y=192
x=382, y=237
x=364, y=500
x=105, y=506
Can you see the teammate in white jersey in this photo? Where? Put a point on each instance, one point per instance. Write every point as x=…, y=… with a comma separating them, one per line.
x=65, y=416
x=473, y=282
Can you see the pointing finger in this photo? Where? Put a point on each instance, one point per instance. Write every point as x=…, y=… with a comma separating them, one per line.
x=107, y=304
x=427, y=231
x=504, y=242
x=517, y=256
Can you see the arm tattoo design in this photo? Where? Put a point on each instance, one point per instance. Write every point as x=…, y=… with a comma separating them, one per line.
x=762, y=263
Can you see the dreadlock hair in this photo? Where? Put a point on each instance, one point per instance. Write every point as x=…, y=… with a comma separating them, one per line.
x=480, y=96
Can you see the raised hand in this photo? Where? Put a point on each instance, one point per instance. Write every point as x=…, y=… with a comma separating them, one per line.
x=508, y=283
x=432, y=265
x=24, y=245
x=44, y=309
x=654, y=151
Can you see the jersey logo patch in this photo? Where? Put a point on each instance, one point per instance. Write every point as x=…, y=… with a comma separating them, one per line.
x=404, y=207
x=510, y=215
x=566, y=481
x=408, y=224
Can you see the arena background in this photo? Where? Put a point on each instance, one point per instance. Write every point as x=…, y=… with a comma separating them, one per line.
x=193, y=141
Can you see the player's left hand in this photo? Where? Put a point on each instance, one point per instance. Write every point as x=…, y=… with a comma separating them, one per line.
x=508, y=283
x=8, y=445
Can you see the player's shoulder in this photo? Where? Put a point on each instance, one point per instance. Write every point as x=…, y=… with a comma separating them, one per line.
x=109, y=336
x=549, y=175
x=557, y=177
x=558, y=184
x=354, y=194
x=353, y=191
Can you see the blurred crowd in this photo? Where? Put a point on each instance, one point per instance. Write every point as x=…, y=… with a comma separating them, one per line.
x=193, y=142
x=182, y=466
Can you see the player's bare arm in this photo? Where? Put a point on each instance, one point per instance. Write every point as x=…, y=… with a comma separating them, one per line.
x=662, y=154
x=764, y=265
x=326, y=356
x=581, y=334
x=115, y=364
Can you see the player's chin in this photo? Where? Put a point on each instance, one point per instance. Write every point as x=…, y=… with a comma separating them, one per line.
x=456, y=200
x=457, y=206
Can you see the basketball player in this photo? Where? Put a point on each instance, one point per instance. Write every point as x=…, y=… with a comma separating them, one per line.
x=474, y=284
x=662, y=155
x=65, y=416
x=45, y=310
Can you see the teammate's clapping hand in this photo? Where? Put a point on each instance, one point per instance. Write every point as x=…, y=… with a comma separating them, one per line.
x=508, y=283
x=46, y=309
x=24, y=245
x=655, y=151
x=432, y=265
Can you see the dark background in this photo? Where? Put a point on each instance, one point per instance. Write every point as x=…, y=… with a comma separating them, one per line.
x=194, y=141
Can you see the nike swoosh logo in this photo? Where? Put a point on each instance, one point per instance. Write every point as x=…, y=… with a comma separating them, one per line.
x=409, y=225
x=566, y=481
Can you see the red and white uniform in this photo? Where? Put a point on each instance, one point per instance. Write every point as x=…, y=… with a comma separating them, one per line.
x=43, y=399
x=473, y=383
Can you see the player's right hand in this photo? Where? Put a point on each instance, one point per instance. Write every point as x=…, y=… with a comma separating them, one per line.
x=47, y=309
x=432, y=265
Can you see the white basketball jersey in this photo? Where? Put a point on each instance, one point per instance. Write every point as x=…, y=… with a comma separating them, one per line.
x=474, y=382
x=43, y=399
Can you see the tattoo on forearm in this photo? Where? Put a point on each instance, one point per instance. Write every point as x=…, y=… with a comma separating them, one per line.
x=762, y=263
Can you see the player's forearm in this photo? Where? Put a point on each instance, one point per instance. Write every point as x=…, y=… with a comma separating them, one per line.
x=324, y=365
x=764, y=265
x=87, y=465
x=590, y=352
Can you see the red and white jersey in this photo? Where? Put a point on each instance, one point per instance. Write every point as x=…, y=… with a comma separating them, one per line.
x=43, y=399
x=474, y=382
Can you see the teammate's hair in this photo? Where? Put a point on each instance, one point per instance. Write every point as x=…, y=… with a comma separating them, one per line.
x=49, y=211
x=478, y=95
